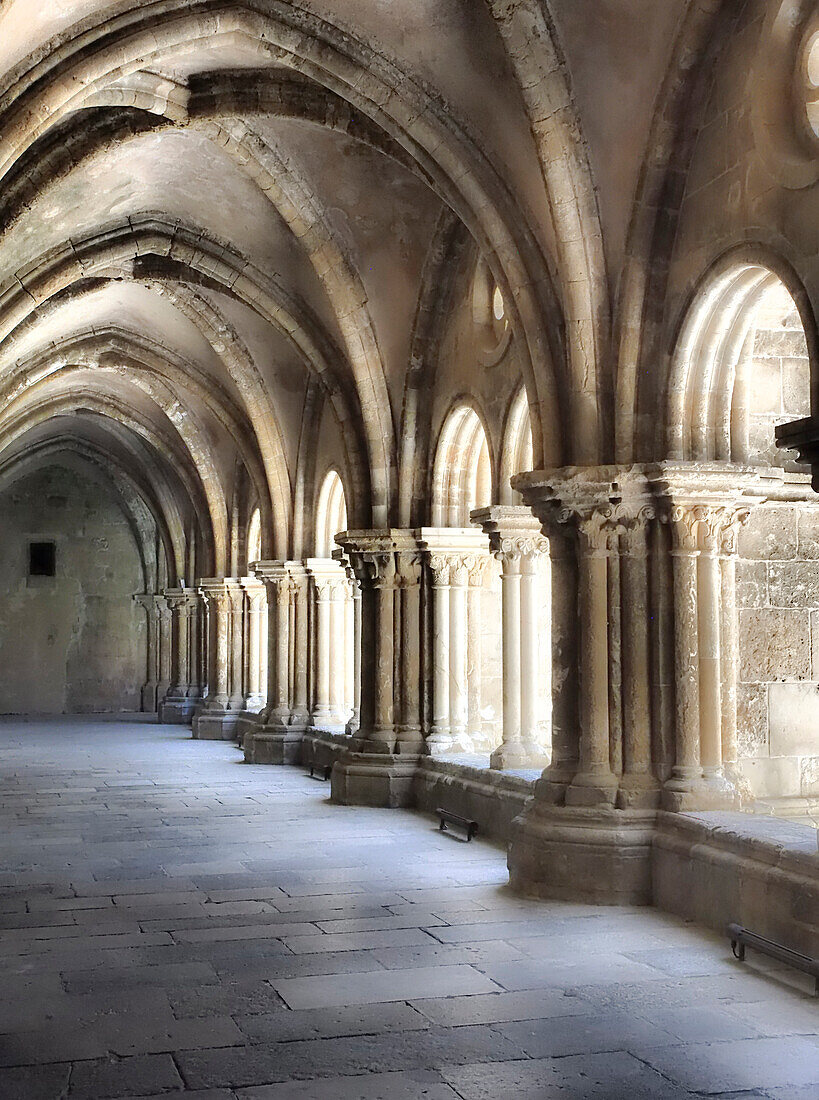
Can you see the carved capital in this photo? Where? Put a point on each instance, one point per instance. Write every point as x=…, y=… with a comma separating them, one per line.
x=632, y=525
x=595, y=529
x=683, y=523
x=729, y=532
x=439, y=568
x=408, y=568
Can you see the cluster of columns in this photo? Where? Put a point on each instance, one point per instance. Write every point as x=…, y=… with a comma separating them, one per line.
x=648, y=658
x=333, y=645
x=174, y=673
x=635, y=569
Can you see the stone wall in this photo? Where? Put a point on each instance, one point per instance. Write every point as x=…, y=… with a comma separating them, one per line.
x=75, y=642
x=778, y=599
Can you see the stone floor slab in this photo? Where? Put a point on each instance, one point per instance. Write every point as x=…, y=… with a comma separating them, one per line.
x=175, y=925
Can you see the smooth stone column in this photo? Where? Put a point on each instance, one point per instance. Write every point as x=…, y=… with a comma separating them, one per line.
x=256, y=606
x=349, y=651
x=338, y=651
x=477, y=565
x=327, y=644
x=355, y=719
x=236, y=596
x=176, y=706
x=708, y=596
x=163, y=611
x=516, y=541
x=458, y=581
x=377, y=767
x=440, y=737
x=639, y=787
x=687, y=770
x=729, y=634
x=300, y=641
x=409, y=569
x=594, y=783
x=536, y=752
x=273, y=740
x=148, y=700
x=511, y=750
x=215, y=719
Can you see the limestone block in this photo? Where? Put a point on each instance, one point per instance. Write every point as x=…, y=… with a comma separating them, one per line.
x=809, y=768
x=774, y=645
x=808, y=533
x=770, y=534
x=765, y=386
x=793, y=584
x=795, y=387
x=794, y=719
x=752, y=584
x=752, y=719
x=772, y=777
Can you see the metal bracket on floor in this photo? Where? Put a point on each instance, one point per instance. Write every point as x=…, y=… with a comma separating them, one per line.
x=741, y=938
x=326, y=770
x=470, y=827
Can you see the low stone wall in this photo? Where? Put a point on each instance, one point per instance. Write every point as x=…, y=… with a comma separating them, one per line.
x=492, y=798
x=760, y=872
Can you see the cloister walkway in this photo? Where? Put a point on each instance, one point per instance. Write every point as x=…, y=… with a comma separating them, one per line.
x=177, y=923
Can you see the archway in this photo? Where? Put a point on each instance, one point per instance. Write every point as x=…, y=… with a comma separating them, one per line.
x=741, y=367
x=336, y=617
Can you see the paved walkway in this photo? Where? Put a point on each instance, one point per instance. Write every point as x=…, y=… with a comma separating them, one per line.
x=177, y=923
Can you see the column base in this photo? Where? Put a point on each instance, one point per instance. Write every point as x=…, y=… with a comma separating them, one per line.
x=583, y=854
x=330, y=724
x=273, y=744
x=706, y=794
x=248, y=722
x=638, y=792
x=592, y=789
x=519, y=756
x=215, y=725
x=176, y=710
x=374, y=779
x=147, y=699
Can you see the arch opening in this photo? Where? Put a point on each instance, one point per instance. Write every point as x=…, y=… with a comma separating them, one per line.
x=462, y=472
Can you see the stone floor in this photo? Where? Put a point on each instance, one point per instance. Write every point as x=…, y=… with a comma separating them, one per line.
x=177, y=923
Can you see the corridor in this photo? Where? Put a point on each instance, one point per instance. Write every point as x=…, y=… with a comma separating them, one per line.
x=175, y=922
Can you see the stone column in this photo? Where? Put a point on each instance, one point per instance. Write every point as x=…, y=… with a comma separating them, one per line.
x=409, y=569
x=729, y=629
x=236, y=595
x=163, y=611
x=350, y=647
x=510, y=753
x=709, y=583
x=458, y=581
x=355, y=719
x=176, y=706
x=687, y=769
x=563, y=643
x=516, y=541
x=273, y=740
x=326, y=586
x=700, y=504
x=300, y=643
x=215, y=720
x=477, y=565
x=256, y=615
x=451, y=553
x=148, y=698
x=321, y=588
x=594, y=783
x=639, y=786
x=338, y=651
x=440, y=738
